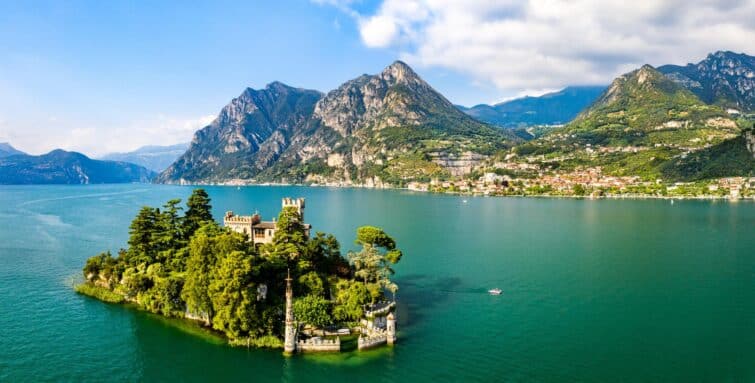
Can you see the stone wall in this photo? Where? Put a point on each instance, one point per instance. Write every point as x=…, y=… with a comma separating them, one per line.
x=318, y=344
x=372, y=340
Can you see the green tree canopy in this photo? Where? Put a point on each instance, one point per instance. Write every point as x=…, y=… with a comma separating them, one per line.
x=313, y=310
x=232, y=293
x=350, y=298
x=143, y=236
x=376, y=237
x=290, y=239
x=199, y=211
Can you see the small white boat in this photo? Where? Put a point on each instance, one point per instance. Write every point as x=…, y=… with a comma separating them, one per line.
x=495, y=291
x=464, y=201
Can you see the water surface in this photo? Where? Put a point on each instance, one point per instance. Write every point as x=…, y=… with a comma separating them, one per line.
x=594, y=291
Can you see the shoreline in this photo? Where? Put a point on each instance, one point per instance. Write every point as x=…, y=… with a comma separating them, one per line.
x=406, y=189
x=188, y=325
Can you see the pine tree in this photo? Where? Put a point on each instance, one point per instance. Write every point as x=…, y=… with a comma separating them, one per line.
x=199, y=211
x=143, y=234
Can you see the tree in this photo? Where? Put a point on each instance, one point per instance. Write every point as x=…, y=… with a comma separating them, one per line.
x=313, y=310
x=325, y=252
x=199, y=211
x=137, y=283
x=165, y=296
x=169, y=222
x=350, y=297
x=290, y=239
x=209, y=245
x=94, y=266
x=232, y=294
x=373, y=262
x=199, y=265
x=378, y=238
x=143, y=234
x=368, y=264
x=312, y=284
x=579, y=190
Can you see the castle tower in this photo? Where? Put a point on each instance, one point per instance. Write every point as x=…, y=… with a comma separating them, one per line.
x=289, y=341
x=390, y=328
x=298, y=203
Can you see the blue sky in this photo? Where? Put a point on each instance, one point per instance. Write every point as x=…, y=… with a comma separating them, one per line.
x=102, y=76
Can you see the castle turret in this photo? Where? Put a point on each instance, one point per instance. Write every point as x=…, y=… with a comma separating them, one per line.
x=390, y=328
x=289, y=341
x=298, y=203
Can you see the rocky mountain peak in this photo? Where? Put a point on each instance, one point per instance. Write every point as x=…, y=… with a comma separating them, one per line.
x=645, y=74
x=255, y=125
x=400, y=72
x=724, y=78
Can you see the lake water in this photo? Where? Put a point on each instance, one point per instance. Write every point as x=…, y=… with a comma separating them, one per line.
x=594, y=291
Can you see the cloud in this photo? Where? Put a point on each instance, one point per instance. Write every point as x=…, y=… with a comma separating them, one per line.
x=99, y=140
x=547, y=44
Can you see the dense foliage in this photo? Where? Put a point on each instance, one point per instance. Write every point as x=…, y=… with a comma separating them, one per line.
x=186, y=265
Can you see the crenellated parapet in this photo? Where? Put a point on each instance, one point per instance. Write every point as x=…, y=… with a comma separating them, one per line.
x=297, y=203
x=318, y=344
x=260, y=231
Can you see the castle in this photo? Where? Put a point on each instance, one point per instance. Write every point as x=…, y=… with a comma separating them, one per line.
x=260, y=231
x=376, y=329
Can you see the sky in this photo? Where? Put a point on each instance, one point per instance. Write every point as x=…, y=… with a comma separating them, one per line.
x=107, y=76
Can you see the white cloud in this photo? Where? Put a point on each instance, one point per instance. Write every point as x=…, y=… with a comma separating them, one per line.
x=99, y=140
x=547, y=44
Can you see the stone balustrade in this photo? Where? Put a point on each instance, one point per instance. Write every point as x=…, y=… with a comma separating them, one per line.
x=318, y=344
x=380, y=308
x=372, y=340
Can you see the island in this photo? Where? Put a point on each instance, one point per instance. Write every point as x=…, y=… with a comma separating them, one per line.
x=258, y=283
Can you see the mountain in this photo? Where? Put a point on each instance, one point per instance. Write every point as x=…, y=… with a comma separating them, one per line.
x=247, y=136
x=62, y=167
x=646, y=124
x=391, y=127
x=7, y=150
x=555, y=108
x=722, y=78
x=644, y=107
x=155, y=158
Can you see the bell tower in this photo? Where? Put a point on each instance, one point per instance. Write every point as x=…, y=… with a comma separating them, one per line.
x=298, y=203
x=289, y=341
x=390, y=328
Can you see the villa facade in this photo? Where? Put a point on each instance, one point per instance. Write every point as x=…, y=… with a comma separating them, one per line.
x=260, y=231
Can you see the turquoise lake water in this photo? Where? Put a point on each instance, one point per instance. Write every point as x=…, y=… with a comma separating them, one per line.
x=594, y=291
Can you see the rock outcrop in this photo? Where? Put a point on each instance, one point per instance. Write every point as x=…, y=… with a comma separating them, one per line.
x=722, y=78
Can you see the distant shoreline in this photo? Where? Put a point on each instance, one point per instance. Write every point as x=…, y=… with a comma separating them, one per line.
x=462, y=194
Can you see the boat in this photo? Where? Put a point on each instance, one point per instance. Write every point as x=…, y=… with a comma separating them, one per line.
x=495, y=291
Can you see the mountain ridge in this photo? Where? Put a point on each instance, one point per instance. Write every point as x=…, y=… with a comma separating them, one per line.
x=6, y=149
x=371, y=128
x=64, y=167
x=153, y=157
x=723, y=78
x=649, y=125
x=554, y=108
